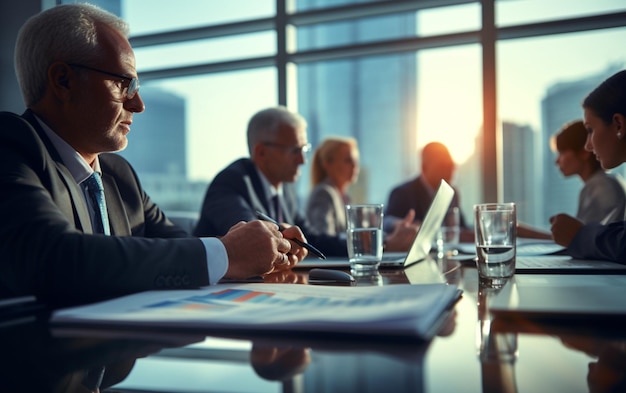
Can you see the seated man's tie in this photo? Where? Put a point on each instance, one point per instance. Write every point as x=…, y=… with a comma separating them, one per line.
x=278, y=213
x=96, y=190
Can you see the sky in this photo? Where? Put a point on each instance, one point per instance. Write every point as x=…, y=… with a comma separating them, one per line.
x=449, y=80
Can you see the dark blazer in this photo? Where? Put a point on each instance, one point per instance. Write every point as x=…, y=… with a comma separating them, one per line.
x=236, y=193
x=414, y=195
x=47, y=247
x=597, y=241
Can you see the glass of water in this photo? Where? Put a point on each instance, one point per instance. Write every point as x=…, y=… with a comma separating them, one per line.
x=447, y=239
x=495, y=233
x=364, y=231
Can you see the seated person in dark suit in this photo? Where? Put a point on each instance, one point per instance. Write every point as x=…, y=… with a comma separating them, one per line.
x=80, y=86
x=417, y=194
x=277, y=142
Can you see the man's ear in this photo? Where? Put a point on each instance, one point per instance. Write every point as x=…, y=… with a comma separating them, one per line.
x=620, y=122
x=59, y=78
x=259, y=150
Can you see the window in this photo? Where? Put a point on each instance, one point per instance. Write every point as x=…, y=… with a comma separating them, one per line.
x=199, y=52
x=541, y=84
x=192, y=128
x=162, y=16
x=534, y=11
x=395, y=74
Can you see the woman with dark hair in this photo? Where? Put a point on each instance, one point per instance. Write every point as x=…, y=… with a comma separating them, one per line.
x=603, y=196
x=605, y=119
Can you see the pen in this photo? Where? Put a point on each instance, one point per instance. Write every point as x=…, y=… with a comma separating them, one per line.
x=309, y=247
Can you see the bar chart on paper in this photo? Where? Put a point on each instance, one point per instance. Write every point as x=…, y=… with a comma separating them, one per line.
x=222, y=298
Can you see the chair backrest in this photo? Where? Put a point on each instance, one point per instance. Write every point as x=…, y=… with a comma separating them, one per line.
x=185, y=220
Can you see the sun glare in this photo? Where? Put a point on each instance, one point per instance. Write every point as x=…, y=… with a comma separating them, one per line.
x=449, y=106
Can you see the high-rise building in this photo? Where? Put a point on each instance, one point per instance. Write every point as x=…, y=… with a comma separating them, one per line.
x=370, y=98
x=519, y=171
x=157, y=149
x=157, y=143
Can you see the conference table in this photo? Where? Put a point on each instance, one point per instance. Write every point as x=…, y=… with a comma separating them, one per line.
x=472, y=352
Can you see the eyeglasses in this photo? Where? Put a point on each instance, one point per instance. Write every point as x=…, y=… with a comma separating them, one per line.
x=304, y=149
x=130, y=90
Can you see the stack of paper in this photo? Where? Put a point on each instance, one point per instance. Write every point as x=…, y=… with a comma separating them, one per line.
x=397, y=310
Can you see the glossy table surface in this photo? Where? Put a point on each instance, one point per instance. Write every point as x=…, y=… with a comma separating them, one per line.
x=471, y=353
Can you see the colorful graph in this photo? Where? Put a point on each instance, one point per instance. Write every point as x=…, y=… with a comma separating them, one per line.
x=231, y=297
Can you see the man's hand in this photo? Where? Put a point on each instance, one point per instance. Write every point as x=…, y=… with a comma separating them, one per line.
x=254, y=248
x=403, y=234
x=297, y=252
x=564, y=228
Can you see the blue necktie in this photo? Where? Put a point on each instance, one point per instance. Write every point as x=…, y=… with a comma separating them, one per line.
x=95, y=189
x=277, y=210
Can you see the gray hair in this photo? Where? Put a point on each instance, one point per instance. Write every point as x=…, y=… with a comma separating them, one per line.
x=66, y=33
x=264, y=125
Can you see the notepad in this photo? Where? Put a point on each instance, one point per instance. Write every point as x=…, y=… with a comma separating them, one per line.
x=563, y=264
x=525, y=247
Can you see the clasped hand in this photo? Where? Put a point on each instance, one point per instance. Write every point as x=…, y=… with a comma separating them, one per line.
x=257, y=248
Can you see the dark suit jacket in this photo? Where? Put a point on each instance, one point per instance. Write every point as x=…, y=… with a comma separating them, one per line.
x=597, y=241
x=237, y=193
x=414, y=195
x=46, y=246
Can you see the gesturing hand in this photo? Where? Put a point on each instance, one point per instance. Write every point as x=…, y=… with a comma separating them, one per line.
x=564, y=228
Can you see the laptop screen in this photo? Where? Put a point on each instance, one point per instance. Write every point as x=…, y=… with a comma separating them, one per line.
x=431, y=224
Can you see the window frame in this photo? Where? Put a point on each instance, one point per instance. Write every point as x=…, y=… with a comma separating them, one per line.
x=486, y=37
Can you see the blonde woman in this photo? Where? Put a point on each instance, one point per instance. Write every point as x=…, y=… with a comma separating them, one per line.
x=334, y=168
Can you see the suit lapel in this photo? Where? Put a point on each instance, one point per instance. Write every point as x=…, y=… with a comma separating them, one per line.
x=255, y=188
x=73, y=205
x=76, y=199
x=255, y=200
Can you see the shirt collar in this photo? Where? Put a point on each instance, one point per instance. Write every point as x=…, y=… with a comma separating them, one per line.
x=78, y=167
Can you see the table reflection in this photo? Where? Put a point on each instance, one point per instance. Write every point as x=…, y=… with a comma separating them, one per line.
x=35, y=360
x=604, y=347
x=497, y=350
x=472, y=352
x=279, y=363
x=607, y=370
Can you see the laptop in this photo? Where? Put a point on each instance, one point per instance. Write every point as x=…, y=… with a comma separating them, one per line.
x=421, y=244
